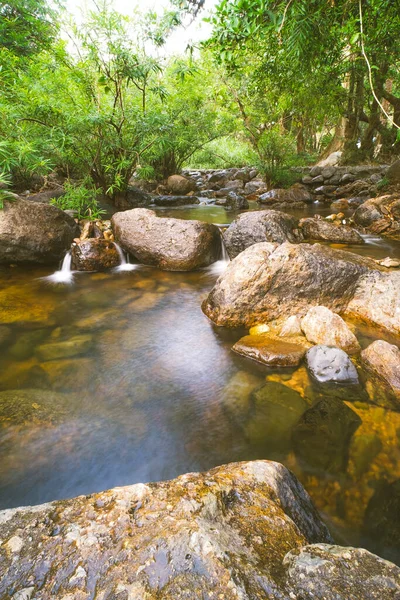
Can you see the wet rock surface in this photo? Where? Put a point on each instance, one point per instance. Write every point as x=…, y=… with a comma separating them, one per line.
x=322, y=326
x=271, y=351
x=380, y=215
x=266, y=282
x=296, y=194
x=329, y=364
x=33, y=232
x=222, y=532
x=94, y=255
x=260, y=226
x=170, y=244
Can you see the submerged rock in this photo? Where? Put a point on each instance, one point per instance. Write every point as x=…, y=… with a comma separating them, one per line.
x=272, y=351
x=221, y=533
x=94, y=255
x=323, y=434
x=382, y=361
x=317, y=229
x=382, y=519
x=170, y=244
x=329, y=364
x=275, y=410
x=259, y=226
x=325, y=572
x=31, y=406
x=322, y=326
x=33, y=232
x=266, y=282
x=65, y=349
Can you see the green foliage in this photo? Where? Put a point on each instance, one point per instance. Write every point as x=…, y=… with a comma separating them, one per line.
x=82, y=198
x=26, y=26
x=223, y=153
x=5, y=182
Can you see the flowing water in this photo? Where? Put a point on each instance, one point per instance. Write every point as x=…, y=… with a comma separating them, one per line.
x=120, y=378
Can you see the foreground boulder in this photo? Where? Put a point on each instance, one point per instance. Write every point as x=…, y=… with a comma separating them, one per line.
x=33, y=232
x=266, y=282
x=324, y=572
x=94, y=255
x=260, y=226
x=169, y=244
x=224, y=533
x=317, y=229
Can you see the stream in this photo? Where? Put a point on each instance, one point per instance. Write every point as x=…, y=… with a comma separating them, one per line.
x=144, y=388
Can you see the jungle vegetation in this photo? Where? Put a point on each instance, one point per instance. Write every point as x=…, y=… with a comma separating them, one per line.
x=279, y=83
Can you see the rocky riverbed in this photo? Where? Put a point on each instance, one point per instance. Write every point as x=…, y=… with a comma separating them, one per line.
x=119, y=378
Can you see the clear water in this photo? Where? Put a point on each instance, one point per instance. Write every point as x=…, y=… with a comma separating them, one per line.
x=155, y=391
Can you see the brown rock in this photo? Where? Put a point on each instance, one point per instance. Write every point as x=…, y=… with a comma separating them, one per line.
x=170, y=244
x=94, y=255
x=33, y=232
x=297, y=193
x=315, y=229
x=271, y=351
x=266, y=282
x=177, y=184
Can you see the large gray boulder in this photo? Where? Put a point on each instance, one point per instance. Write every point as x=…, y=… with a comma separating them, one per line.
x=34, y=232
x=224, y=533
x=325, y=572
x=169, y=244
x=266, y=282
x=260, y=226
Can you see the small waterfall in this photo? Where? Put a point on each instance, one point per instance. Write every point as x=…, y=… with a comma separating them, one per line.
x=65, y=274
x=220, y=265
x=124, y=265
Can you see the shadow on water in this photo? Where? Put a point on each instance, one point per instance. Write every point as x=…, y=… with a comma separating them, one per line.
x=120, y=378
